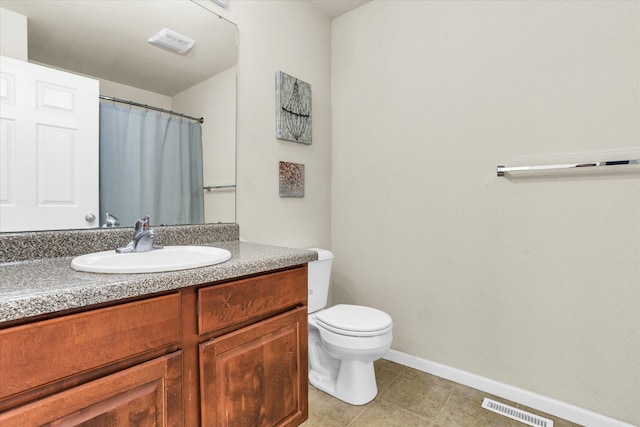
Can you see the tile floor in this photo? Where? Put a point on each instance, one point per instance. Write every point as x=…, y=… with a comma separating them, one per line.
x=408, y=397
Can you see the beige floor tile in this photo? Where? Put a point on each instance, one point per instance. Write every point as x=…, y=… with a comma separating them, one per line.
x=387, y=364
x=315, y=420
x=408, y=397
x=332, y=409
x=477, y=396
x=461, y=411
x=432, y=379
x=385, y=377
x=383, y=414
x=419, y=394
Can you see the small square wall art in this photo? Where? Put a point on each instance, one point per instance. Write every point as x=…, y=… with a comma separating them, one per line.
x=293, y=109
x=291, y=179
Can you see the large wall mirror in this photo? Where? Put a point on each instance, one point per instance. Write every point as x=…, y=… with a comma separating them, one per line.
x=107, y=40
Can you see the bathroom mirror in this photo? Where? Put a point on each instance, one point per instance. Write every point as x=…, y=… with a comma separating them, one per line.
x=107, y=40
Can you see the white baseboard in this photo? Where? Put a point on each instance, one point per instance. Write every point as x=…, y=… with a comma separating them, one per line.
x=542, y=403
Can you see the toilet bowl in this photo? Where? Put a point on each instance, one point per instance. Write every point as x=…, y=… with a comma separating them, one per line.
x=344, y=340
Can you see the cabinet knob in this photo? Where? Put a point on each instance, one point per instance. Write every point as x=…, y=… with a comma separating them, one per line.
x=90, y=217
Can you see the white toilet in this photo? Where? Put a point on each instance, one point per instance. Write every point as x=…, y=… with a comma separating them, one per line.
x=344, y=340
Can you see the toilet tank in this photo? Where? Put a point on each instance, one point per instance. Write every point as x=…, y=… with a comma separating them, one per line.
x=319, y=279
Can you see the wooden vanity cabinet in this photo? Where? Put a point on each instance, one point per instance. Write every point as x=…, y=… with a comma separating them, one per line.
x=255, y=375
x=148, y=394
x=230, y=354
x=111, y=366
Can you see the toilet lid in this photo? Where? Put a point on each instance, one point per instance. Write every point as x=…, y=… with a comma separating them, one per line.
x=354, y=320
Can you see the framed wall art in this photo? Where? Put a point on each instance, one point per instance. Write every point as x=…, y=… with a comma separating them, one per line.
x=291, y=179
x=293, y=109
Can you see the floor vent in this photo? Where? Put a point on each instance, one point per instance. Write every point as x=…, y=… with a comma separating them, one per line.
x=516, y=414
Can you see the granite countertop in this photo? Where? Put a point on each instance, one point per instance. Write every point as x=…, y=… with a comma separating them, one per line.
x=40, y=286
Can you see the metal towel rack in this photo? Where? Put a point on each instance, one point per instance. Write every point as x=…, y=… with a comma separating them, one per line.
x=501, y=170
x=215, y=187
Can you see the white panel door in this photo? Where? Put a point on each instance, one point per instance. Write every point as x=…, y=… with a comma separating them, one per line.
x=48, y=148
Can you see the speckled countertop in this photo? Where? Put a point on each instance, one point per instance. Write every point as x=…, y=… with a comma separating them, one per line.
x=39, y=286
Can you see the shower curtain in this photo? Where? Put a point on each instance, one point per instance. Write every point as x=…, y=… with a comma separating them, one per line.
x=150, y=163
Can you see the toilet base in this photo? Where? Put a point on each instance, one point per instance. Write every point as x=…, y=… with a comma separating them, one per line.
x=355, y=382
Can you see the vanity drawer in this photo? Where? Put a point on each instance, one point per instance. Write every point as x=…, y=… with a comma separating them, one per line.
x=240, y=301
x=39, y=353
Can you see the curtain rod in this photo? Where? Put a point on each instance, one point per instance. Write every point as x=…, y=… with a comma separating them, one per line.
x=149, y=107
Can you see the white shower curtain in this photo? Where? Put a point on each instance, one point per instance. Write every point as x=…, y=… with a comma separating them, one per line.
x=150, y=163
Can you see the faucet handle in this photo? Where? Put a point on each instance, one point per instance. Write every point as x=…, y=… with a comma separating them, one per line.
x=142, y=224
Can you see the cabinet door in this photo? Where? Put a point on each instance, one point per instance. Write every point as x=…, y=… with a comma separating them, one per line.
x=257, y=376
x=149, y=394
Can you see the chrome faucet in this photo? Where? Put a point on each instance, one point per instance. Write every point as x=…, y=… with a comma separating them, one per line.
x=143, y=238
x=110, y=221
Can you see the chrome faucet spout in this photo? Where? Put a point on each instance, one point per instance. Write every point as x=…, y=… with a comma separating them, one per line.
x=143, y=238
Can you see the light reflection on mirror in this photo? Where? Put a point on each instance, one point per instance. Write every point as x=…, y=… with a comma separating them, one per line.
x=107, y=40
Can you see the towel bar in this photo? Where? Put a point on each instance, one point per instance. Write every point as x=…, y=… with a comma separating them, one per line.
x=215, y=187
x=501, y=170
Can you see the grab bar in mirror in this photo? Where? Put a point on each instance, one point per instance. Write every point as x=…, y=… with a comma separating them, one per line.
x=501, y=170
x=215, y=187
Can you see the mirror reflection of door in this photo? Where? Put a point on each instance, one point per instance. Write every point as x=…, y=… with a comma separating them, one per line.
x=49, y=148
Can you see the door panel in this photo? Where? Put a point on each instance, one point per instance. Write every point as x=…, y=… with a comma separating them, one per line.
x=48, y=148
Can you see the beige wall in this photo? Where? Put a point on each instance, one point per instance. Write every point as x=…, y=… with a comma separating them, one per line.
x=293, y=37
x=531, y=282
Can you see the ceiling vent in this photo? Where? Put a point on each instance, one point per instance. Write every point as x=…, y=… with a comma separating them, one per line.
x=171, y=40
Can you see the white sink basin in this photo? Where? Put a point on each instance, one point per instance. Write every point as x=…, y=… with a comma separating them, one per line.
x=169, y=258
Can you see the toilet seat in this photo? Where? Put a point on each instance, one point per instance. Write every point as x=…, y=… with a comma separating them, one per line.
x=354, y=320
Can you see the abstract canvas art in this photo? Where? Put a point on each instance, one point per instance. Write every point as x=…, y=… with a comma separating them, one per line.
x=293, y=109
x=291, y=179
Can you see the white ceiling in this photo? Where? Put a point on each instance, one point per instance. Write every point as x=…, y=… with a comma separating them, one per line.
x=335, y=8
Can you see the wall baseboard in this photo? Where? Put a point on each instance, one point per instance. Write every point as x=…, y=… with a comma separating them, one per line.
x=542, y=403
